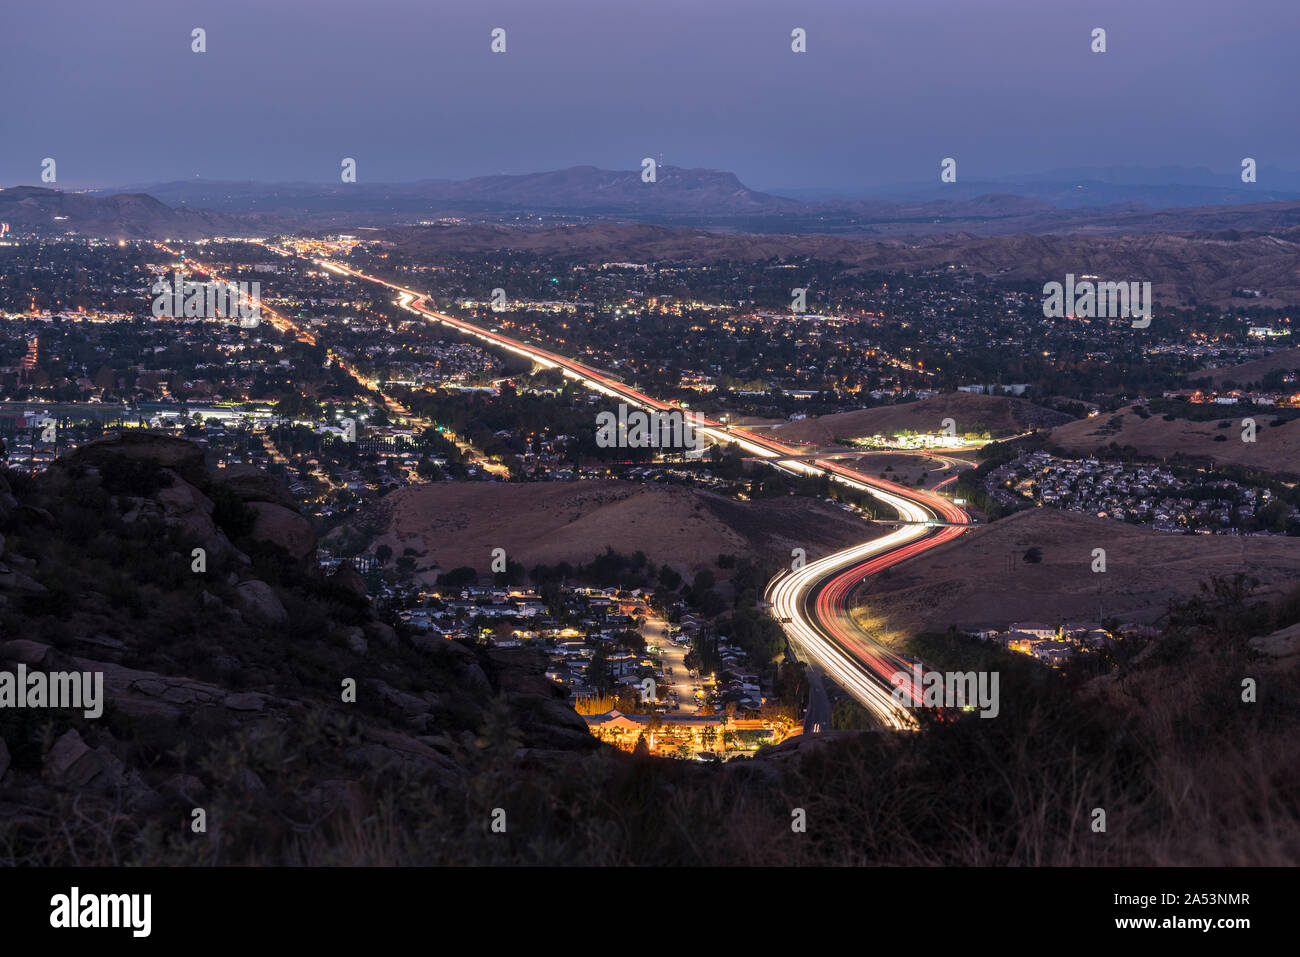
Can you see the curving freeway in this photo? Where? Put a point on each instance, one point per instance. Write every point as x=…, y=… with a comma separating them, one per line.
x=813, y=602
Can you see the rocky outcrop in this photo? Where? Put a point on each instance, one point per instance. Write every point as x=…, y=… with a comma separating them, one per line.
x=34, y=654
x=248, y=483
x=165, y=451
x=260, y=598
x=1281, y=647
x=185, y=494
x=290, y=530
x=536, y=702
x=211, y=688
x=15, y=581
x=186, y=506
x=71, y=763
x=348, y=579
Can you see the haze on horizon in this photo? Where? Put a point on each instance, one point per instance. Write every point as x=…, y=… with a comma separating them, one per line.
x=412, y=91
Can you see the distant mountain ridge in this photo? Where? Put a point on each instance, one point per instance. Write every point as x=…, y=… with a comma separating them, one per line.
x=1162, y=187
x=51, y=212
x=578, y=189
x=702, y=198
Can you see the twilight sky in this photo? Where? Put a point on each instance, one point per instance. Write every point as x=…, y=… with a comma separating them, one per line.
x=410, y=89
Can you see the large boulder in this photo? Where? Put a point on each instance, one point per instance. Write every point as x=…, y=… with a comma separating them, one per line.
x=71, y=763
x=180, y=455
x=285, y=527
x=550, y=724
x=349, y=579
x=260, y=598
x=34, y=654
x=522, y=671
x=251, y=484
x=185, y=506
x=12, y=580
x=1281, y=646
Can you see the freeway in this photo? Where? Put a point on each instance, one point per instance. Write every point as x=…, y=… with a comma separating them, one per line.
x=813, y=602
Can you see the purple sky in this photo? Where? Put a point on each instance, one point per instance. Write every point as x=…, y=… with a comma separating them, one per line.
x=410, y=89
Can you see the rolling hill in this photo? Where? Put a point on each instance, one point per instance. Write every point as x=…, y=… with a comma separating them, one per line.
x=50, y=212
x=970, y=412
x=981, y=580
x=1276, y=448
x=1250, y=373
x=454, y=524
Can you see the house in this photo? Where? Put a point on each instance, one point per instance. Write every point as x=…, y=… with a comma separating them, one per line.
x=1052, y=652
x=1021, y=641
x=624, y=664
x=1035, y=628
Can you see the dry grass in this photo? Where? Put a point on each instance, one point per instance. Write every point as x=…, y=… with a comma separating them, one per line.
x=459, y=523
x=981, y=580
x=1275, y=449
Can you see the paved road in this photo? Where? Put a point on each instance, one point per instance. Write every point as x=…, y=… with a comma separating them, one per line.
x=673, y=657
x=818, y=716
x=816, y=601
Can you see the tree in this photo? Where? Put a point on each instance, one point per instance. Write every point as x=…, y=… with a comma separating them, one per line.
x=849, y=715
x=595, y=704
x=598, y=670
x=429, y=471
x=669, y=579
x=515, y=574
x=459, y=577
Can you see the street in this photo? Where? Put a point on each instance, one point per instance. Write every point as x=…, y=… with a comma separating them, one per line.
x=673, y=657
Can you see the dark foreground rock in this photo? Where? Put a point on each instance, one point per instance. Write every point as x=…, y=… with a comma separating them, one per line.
x=243, y=682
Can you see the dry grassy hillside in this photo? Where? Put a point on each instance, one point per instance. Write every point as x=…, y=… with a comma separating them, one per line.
x=966, y=409
x=1275, y=449
x=1250, y=372
x=981, y=580
x=1206, y=267
x=459, y=523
